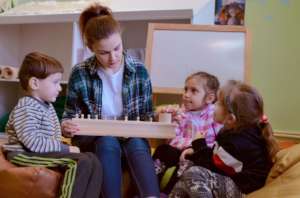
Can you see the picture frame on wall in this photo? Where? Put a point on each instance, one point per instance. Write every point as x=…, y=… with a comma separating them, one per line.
x=229, y=12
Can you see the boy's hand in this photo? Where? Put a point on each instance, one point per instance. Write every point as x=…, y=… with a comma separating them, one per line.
x=186, y=152
x=74, y=149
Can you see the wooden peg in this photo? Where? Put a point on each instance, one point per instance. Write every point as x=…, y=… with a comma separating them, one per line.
x=150, y=119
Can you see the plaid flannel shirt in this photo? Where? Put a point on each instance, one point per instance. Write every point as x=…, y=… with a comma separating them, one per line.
x=84, y=94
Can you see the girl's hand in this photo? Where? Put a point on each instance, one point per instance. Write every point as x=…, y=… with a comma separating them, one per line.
x=74, y=149
x=199, y=135
x=186, y=152
x=69, y=128
x=173, y=109
x=178, y=118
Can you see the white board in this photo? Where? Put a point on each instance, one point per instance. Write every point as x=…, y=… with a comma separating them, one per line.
x=175, y=51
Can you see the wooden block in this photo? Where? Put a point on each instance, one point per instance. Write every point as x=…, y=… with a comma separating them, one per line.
x=165, y=117
x=93, y=127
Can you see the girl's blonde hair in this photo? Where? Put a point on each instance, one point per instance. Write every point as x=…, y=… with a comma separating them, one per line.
x=246, y=104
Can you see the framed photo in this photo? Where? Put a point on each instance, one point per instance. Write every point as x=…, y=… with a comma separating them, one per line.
x=229, y=12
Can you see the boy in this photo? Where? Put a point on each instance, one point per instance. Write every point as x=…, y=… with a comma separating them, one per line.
x=33, y=129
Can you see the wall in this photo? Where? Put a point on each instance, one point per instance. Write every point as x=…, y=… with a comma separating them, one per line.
x=275, y=29
x=275, y=54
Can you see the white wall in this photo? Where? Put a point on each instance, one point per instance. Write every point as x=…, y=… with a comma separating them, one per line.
x=136, y=5
x=203, y=10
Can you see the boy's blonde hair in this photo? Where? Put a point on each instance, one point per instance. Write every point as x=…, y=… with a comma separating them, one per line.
x=38, y=65
x=211, y=83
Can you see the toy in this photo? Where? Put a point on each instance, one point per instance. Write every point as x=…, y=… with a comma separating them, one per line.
x=125, y=128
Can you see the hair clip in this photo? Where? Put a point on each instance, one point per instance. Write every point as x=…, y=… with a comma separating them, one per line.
x=264, y=119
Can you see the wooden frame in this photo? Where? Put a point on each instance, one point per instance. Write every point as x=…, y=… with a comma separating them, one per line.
x=124, y=128
x=156, y=27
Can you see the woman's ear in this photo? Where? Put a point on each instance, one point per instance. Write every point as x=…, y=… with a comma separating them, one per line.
x=210, y=98
x=33, y=83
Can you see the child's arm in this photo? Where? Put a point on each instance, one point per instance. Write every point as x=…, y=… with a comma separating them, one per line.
x=199, y=139
x=185, y=153
x=199, y=144
x=202, y=155
x=35, y=135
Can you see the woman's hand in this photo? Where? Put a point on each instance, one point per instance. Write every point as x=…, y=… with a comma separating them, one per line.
x=186, y=152
x=69, y=128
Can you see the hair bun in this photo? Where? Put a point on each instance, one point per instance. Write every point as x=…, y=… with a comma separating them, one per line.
x=93, y=11
x=104, y=12
x=99, y=10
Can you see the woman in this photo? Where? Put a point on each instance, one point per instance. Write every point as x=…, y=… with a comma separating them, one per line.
x=111, y=84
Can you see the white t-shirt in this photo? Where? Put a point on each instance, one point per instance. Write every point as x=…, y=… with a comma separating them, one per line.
x=112, y=104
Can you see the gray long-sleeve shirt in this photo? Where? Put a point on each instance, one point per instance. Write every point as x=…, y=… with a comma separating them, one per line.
x=33, y=125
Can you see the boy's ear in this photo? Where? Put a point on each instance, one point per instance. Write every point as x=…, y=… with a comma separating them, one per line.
x=210, y=98
x=33, y=83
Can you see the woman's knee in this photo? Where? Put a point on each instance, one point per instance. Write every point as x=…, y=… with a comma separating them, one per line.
x=108, y=142
x=137, y=144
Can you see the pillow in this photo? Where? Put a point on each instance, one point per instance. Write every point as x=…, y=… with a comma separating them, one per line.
x=33, y=182
x=284, y=160
x=284, y=178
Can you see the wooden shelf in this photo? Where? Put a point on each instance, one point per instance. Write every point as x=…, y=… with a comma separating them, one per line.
x=8, y=80
x=57, y=34
x=123, y=10
x=122, y=16
x=17, y=80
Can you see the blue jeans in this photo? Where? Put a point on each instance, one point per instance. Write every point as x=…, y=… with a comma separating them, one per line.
x=136, y=151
